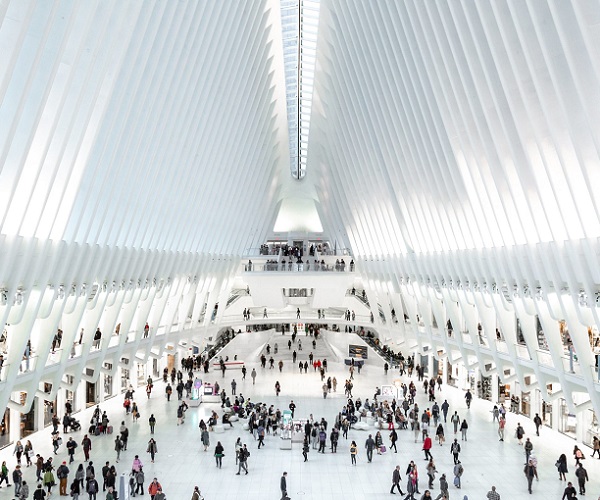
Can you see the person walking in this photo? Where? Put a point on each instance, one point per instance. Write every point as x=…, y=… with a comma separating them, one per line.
x=455, y=420
x=154, y=488
x=152, y=423
x=440, y=433
x=243, y=460
x=561, y=465
x=529, y=471
x=253, y=375
x=463, y=429
x=353, y=452
x=493, y=494
x=71, y=445
x=431, y=470
x=570, y=492
x=582, y=477
x=443, y=488
x=205, y=438
x=283, y=480
x=396, y=481
x=519, y=433
x=197, y=495
x=427, y=444
x=393, y=439
x=91, y=487
x=305, y=448
x=528, y=449
x=458, y=472
x=86, y=444
x=538, y=423
x=118, y=446
x=455, y=450
x=152, y=449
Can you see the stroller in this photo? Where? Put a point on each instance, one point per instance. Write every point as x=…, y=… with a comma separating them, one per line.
x=74, y=424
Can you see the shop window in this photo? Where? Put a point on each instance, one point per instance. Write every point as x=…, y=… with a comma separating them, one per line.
x=593, y=430
x=484, y=388
x=546, y=414
x=567, y=422
x=5, y=429
x=28, y=421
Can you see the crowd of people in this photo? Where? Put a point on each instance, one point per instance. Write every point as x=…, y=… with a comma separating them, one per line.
x=420, y=410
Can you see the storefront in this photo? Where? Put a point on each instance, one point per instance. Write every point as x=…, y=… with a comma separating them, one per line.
x=49, y=406
x=5, y=429
x=90, y=390
x=590, y=424
x=484, y=388
x=567, y=422
x=28, y=420
x=451, y=375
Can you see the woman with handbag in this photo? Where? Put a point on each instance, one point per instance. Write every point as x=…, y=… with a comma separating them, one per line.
x=219, y=454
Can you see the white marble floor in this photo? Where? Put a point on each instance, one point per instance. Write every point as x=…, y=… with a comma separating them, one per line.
x=181, y=463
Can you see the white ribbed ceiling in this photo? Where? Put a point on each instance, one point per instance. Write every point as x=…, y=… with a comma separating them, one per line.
x=142, y=124
x=435, y=126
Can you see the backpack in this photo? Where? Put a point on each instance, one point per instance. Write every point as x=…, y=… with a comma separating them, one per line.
x=92, y=486
x=455, y=448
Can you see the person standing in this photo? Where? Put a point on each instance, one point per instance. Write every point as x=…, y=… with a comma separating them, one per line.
x=396, y=481
x=17, y=476
x=253, y=375
x=370, y=446
x=233, y=386
x=62, y=473
x=501, y=425
x=529, y=471
x=582, y=477
x=139, y=482
x=353, y=452
x=219, y=452
x=283, y=480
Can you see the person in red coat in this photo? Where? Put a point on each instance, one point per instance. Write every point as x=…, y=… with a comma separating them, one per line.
x=427, y=443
